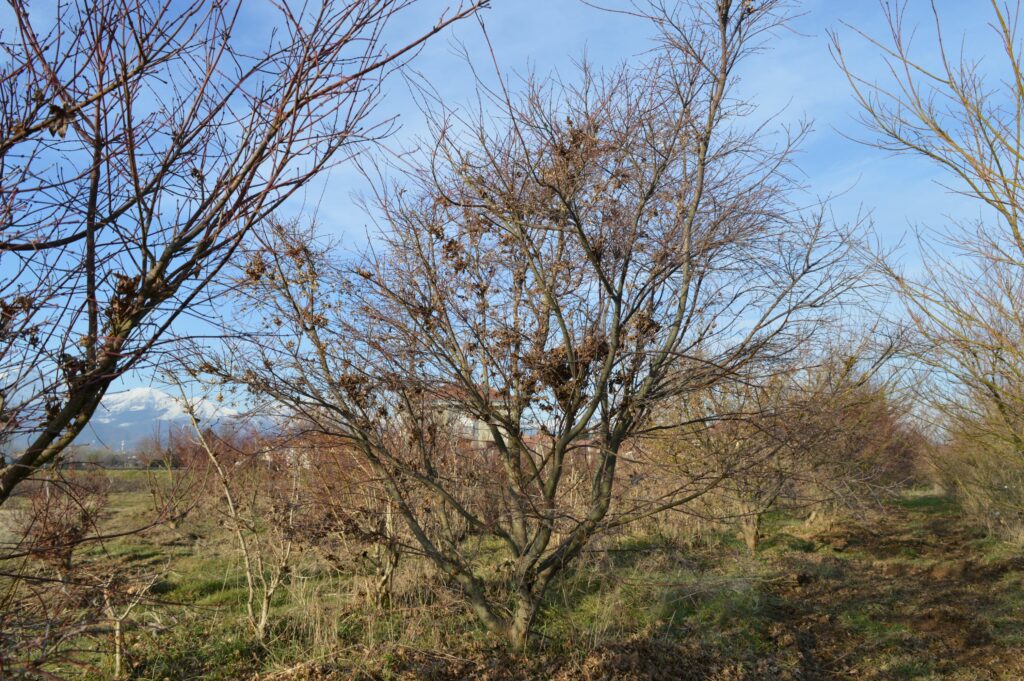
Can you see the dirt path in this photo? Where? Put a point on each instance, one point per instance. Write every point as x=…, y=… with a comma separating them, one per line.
x=913, y=595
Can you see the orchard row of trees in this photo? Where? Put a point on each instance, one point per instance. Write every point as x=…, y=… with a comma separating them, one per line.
x=606, y=299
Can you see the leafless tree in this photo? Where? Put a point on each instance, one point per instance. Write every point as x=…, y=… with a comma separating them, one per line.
x=121, y=595
x=543, y=280
x=139, y=141
x=59, y=513
x=824, y=427
x=259, y=508
x=349, y=518
x=964, y=114
x=47, y=587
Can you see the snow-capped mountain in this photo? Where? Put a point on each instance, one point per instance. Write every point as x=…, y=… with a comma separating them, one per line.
x=126, y=418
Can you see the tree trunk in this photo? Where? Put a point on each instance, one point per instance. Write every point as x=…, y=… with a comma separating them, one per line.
x=118, y=647
x=521, y=623
x=750, y=528
x=387, y=563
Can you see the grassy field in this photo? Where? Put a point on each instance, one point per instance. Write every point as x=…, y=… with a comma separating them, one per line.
x=910, y=591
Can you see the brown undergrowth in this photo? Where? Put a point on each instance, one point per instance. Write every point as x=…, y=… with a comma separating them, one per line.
x=908, y=592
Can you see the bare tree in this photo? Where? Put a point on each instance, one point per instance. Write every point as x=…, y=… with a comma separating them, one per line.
x=259, y=510
x=121, y=596
x=543, y=281
x=60, y=511
x=350, y=520
x=47, y=597
x=823, y=427
x=966, y=116
x=139, y=141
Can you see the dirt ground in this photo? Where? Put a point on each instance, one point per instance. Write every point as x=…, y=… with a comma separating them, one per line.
x=927, y=599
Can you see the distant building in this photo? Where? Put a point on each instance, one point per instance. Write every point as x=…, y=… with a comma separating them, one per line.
x=451, y=404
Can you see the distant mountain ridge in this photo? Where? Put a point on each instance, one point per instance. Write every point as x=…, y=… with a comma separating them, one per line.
x=124, y=419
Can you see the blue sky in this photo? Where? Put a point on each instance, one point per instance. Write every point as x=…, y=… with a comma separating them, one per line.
x=795, y=78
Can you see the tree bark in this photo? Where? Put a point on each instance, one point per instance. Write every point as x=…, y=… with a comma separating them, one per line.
x=750, y=528
x=520, y=625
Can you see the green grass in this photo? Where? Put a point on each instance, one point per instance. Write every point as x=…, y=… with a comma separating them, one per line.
x=198, y=648
x=783, y=542
x=930, y=504
x=871, y=623
x=647, y=585
x=715, y=596
x=1007, y=617
x=911, y=668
